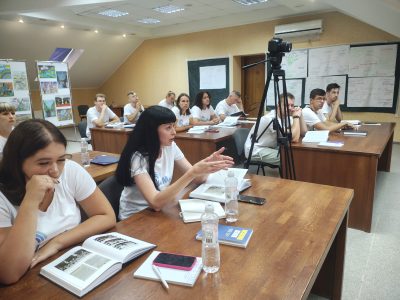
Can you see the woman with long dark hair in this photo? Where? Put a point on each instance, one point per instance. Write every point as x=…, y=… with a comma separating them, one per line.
x=202, y=111
x=148, y=160
x=40, y=190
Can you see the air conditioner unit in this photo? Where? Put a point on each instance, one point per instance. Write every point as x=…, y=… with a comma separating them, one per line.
x=308, y=28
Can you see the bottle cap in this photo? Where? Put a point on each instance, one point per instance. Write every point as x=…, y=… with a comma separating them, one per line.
x=209, y=208
x=231, y=174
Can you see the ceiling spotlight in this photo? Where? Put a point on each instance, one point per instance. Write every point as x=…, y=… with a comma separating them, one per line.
x=21, y=21
x=96, y=31
x=124, y=35
x=62, y=26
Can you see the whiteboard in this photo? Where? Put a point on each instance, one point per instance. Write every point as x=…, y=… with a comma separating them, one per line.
x=212, y=77
x=14, y=88
x=55, y=92
x=295, y=64
x=321, y=83
x=377, y=60
x=328, y=61
x=370, y=92
x=293, y=86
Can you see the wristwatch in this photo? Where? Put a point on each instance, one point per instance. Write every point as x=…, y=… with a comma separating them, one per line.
x=296, y=117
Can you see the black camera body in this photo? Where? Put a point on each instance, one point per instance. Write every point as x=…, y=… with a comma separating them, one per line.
x=277, y=45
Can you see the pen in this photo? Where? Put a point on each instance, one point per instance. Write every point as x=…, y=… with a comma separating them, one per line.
x=158, y=273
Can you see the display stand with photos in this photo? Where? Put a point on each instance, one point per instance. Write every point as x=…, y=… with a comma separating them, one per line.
x=55, y=92
x=14, y=87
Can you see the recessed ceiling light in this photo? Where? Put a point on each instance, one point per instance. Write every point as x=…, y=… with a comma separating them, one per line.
x=62, y=26
x=21, y=21
x=168, y=9
x=249, y=2
x=96, y=31
x=124, y=35
x=113, y=13
x=149, y=21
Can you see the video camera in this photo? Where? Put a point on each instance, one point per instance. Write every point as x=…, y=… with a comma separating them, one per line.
x=277, y=49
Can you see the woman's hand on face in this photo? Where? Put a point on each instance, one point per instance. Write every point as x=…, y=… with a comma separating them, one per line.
x=51, y=248
x=38, y=185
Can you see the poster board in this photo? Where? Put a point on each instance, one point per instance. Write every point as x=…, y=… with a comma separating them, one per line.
x=293, y=86
x=55, y=92
x=295, y=64
x=328, y=61
x=322, y=82
x=14, y=88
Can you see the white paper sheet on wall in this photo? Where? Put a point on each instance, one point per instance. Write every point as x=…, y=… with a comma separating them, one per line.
x=213, y=77
x=293, y=86
x=370, y=92
x=328, y=61
x=321, y=83
x=295, y=64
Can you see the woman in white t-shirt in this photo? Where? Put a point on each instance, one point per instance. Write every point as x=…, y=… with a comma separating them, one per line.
x=184, y=119
x=202, y=111
x=40, y=190
x=7, y=122
x=148, y=160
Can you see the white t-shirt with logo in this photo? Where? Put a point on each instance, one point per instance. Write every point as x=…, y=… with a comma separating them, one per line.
x=164, y=103
x=63, y=213
x=92, y=114
x=183, y=120
x=225, y=109
x=202, y=114
x=132, y=200
x=267, y=139
x=128, y=110
x=311, y=118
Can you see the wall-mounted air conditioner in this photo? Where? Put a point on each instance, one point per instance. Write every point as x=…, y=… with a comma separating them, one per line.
x=308, y=28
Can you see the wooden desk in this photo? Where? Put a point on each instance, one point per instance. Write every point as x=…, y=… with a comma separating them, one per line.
x=297, y=246
x=98, y=172
x=354, y=166
x=109, y=139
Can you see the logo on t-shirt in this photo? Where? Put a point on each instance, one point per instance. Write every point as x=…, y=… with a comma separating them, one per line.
x=40, y=238
x=162, y=181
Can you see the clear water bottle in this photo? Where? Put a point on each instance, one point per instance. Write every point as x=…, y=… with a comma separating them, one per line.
x=85, y=159
x=231, y=198
x=210, y=245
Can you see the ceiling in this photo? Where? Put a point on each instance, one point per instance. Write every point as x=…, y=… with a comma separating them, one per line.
x=36, y=38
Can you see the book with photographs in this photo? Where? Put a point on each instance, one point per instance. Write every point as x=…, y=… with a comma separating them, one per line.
x=173, y=276
x=192, y=209
x=231, y=235
x=214, y=187
x=81, y=269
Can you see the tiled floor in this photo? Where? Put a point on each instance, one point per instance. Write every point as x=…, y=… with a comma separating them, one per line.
x=372, y=262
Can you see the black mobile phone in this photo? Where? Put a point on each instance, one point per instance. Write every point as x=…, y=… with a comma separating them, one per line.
x=251, y=199
x=174, y=261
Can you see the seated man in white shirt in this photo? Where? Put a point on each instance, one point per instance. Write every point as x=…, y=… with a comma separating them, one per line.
x=133, y=109
x=232, y=104
x=169, y=100
x=314, y=117
x=266, y=147
x=331, y=108
x=100, y=114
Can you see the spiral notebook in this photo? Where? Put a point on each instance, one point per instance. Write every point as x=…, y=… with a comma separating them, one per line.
x=173, y=276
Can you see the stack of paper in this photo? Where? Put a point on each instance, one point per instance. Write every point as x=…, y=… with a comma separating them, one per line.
x=198, y=129
x=316, y=136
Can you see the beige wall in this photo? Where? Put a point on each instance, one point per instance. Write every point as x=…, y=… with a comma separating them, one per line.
x=160, y=65
x=79, y=96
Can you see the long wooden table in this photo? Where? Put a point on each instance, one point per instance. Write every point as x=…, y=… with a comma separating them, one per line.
x=298, y=246
x=98, y=172
x=194, y=146
x=355, y=166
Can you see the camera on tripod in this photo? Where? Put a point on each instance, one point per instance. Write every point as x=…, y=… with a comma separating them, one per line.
x=277, y=48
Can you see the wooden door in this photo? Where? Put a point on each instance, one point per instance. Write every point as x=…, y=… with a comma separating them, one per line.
x=253, y=81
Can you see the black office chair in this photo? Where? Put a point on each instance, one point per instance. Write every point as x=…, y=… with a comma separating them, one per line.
x=240, y=136
x=82, y=110
x=112, y=190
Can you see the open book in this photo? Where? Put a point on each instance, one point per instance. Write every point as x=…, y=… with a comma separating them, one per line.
x=214, y=188
x=229, y=121
x=192, y=209
x=231, y=235
x=198, y=129
x=173, y=276
x=81, y=269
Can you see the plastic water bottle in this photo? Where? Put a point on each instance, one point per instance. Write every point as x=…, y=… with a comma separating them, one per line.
x=85, y=159
x=210, y=245
x=231, y=198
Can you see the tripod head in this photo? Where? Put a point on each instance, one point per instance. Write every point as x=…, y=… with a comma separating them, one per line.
x=277, y=48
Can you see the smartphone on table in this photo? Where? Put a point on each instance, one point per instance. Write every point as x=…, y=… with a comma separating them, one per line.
x=251, y=199
x=174, y=261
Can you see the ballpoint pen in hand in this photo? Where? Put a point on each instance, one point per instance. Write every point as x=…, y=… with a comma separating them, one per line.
x=158, y=273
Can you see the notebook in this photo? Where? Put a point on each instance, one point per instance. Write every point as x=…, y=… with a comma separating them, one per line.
x=173, y=276
x=192, y=209
x=316, y=136
x=231, y=235
x=104, y=160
